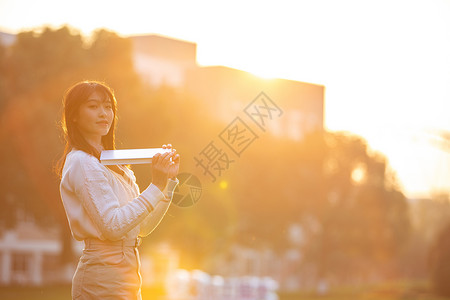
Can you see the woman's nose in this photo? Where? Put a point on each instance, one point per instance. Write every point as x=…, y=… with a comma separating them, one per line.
x=102, y=111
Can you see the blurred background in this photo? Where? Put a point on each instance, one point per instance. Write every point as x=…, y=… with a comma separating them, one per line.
x=318, y=130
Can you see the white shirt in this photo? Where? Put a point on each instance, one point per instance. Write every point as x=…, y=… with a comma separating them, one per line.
x=102, y=204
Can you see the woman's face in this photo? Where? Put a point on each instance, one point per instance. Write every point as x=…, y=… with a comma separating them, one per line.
x=95, y=117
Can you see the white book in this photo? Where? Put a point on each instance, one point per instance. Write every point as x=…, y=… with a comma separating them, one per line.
x=129, y=156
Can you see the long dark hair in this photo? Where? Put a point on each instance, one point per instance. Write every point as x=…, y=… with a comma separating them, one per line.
x=73, y=98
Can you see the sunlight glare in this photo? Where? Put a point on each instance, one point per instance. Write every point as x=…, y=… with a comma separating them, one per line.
x=223, y=184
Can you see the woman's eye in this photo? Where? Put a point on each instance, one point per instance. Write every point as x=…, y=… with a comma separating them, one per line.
x=92, y=106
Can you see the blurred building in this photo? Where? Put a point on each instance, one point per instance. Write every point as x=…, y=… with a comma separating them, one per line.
x=7, y=39
x=226, y=92
x=30, y=255
x=163, y=61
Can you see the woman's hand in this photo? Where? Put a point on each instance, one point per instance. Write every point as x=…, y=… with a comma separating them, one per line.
x=174, y=166
x=165, y=166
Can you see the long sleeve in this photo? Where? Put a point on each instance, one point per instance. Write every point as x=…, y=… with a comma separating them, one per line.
x=155, y=217
x=90, y=184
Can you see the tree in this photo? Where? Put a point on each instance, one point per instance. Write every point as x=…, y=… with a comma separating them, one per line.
x=36, y=58
x=342, y=194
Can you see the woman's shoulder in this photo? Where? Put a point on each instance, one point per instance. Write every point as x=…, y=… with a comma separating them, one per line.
x=83, y=159
x=80, y=156
x=80, y=166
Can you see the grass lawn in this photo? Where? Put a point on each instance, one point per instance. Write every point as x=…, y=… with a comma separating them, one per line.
x=35, y=293
x=388, y=291
x=59, y=293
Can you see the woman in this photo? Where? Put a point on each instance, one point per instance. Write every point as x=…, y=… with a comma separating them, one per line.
x=103, y=204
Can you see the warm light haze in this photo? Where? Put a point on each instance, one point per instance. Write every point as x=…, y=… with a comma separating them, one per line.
x=385, y=64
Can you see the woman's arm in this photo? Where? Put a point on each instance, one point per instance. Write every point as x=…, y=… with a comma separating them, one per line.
x=91, y=185
x=155, y=217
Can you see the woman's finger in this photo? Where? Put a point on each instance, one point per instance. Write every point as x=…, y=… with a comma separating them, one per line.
x=156, y=158
x=166, y=158
x=166, y=155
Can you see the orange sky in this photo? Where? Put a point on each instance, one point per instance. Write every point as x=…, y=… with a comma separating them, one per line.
x=385, y=64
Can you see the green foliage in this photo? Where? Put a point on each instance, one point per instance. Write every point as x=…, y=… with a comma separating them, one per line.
x=36, y=58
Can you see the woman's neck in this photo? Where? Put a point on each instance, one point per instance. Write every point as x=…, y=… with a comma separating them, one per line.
x=95, y=142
